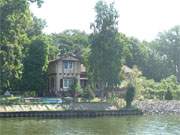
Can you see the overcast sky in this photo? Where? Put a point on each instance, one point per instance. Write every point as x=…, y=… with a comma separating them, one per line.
x=142, y=19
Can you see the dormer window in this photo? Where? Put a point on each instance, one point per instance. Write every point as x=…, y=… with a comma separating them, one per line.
x=68, y=65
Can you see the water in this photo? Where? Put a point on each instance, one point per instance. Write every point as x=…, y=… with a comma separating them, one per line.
x=126, y=125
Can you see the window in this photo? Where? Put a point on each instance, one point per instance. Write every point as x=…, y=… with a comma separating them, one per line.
x=67, y=83
x=68, y=65
x=65, y=64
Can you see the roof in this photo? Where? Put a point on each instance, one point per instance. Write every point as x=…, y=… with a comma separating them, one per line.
x=66, y=57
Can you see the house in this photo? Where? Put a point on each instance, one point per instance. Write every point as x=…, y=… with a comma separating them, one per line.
x=62, y=73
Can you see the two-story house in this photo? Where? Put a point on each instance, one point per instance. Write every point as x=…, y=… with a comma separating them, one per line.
x=62, y=72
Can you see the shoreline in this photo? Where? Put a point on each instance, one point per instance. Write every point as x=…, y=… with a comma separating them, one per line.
x=158, y=106
x=70, y=113
x=145, y=107
x=73, y=110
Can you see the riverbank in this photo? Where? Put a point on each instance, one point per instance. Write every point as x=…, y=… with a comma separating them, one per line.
x=72, y=110
x=71, y=113
x=158, y=106
x=58, y=107
x=146, y=106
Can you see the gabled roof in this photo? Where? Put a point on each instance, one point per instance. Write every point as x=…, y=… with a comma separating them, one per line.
x=70, y=57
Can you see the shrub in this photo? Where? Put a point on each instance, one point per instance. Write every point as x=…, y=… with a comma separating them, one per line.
x=130, y=94
x=30, y=94
x=76, y=88
x=168, y=95
x=88, y=92
x=116, y=101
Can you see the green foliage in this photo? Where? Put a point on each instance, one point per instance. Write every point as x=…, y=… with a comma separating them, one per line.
x=53, y=52
x=25, y=51
x=39, y=2
x=169, y=45
x=35, y=66
x=116, y=101
x=137, y=53
x=71, y=41
x=30, y=94
x=105, y=56
x=76, y=88
x=168, y=95
x=11, y=100
x=147, y=58
x=148, y=88
x=15, y=19
x=35, y=29
x=130, y=94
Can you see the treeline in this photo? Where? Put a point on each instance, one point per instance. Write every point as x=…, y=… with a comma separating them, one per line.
x=25, y=50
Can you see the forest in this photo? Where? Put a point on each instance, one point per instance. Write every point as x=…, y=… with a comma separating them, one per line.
x=25, y=51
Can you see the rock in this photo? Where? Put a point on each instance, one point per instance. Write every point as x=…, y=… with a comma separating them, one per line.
x=7, y=94
x=158, y=106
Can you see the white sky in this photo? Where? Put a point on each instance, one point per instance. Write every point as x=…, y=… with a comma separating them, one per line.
x=139, y=18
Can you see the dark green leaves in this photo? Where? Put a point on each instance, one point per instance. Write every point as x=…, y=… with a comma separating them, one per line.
x=105, y=55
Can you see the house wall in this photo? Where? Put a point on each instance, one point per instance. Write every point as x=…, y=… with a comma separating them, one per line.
x=56, y=71
x=65, y=74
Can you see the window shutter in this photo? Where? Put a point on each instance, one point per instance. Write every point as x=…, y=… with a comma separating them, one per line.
x=61, y=83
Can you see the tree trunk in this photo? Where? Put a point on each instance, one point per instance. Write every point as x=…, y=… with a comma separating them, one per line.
x=178, y=73
x=102, y=91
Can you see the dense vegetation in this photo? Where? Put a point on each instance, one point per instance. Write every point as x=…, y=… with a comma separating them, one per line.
x=25, y=51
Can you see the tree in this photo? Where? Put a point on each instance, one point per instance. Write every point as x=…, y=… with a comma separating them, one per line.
x=147, y=58
x=106, y=50
x=39, y=2
x=71, y=41
x=36, y=27
x=137, y=53
x=35, y=67
x=15, y=19
x=76, y=87
x=168, y=95
x=168, y=44
x=130, y=94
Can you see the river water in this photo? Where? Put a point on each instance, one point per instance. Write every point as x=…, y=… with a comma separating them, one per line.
x=126, y=125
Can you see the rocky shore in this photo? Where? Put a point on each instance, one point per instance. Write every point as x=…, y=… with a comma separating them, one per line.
x=158, y=107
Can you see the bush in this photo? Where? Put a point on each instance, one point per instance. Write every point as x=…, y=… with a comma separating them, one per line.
x=130, y=94
x=88, y=92
x=11, y=100
x=116, y=101
x=30, y=94
x=168, y=95
x=76, y=88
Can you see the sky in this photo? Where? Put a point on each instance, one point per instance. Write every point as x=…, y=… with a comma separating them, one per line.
x=142, y=19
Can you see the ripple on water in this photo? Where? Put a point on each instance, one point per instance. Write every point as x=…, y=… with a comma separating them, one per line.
x=128, y=125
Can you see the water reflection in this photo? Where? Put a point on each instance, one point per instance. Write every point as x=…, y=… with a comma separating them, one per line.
x=128, y=125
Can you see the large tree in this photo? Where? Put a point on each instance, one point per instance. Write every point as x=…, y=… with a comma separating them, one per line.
x=168, y=45
x=147, y=58
x=105, y=55
x=15, y=20
x=71, y=41
x=36, y=27
x=35, y=66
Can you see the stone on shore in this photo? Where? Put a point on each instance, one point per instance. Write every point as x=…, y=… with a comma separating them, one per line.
x=158, y=106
